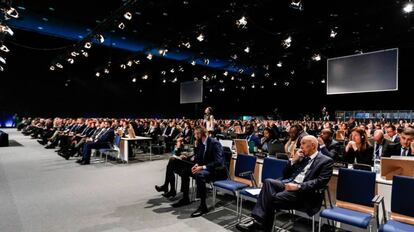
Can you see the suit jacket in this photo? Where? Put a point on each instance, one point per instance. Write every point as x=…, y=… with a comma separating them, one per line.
x=106, y=137
x=394, y=149
x=385, y=146
x=255, y=139
x=331, y=150
x=212, y=156
x=316, y=178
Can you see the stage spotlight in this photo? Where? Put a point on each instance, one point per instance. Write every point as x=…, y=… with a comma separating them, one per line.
x=274, y=83
x=11, y=12
x=287, y=42
x=193, y=63
x=85, y=53
x=164, y=81
x=408, y=8
x=226, y=73
x=106, y=71
x=129, y=63
x=137, y=61
x=253, y=86
x=172, y=71
x=52, y=68
x=316, y=57
x=149, y=56
x=187, y=45
x=74, y=54
x=6, y=29
x=59, y=65
x=297, y=5
x=222, y=89
x=98, y=74
x=242, y=22
x=333, y=33
x=100, y=38
x=123, y=66
x=1, y=68
x=247, y=50
x=323, y=81
x=206, y=61
x=121, y=26
x=211, y=90
x=162, y=52
x=279, y=64
x=4, y=48
x=253, y=75
x=163, y=73
x=134, y=79
x=71, y=60
x=200, y=37
x=128, y=16
x=232, y=78
x=145, y=77
x=174, y=80
x=88, y=45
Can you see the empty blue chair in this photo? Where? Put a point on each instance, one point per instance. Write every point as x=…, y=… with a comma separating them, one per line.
x=243, y=172
x=402, y=206
x=272, y=169
x=354, y=199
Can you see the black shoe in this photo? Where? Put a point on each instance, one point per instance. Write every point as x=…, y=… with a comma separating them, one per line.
x=50, y=147
x=181, y=202
x=199, y=212
x=79, y=161
x=169, y=194
x=161, y=188
x=85, y=163
x=253, y=225
x=41, y=141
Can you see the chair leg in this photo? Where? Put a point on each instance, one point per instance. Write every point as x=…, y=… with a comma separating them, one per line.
x=239, y=214
x=274, y=223
x=320, y=224
x=237, y=200
x=313, y=223
x=370, y=228
x=214, y=196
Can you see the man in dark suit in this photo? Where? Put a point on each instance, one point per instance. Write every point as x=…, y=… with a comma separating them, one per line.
x=392, y=133
x=103, y=140
x=380, y=144
x=327, y=145
x=208, y=158
x=309, y=172
x=405, y=147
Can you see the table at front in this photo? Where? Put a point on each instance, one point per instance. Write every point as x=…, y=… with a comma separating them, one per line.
x=124, y=145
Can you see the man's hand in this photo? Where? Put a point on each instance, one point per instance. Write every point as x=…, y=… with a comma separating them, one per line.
x=320, y=141
x=412, y=148
x=291, y=187
x=183, y=157
x=297, y=155
x=195, y=169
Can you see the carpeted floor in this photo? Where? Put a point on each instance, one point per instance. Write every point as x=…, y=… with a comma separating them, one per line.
x=41, y=191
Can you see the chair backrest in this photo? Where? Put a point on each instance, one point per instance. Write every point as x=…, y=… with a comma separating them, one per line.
x=356, y=186
x=273, y=168
x=276, y=147
x=402, y=200
x=244, y=163
x=282, y=156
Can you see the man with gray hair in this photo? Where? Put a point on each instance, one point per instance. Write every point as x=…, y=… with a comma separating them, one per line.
x=380, y=144
x=308, y=172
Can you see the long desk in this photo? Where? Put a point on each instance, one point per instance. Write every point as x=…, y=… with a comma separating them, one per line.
x=124, y=145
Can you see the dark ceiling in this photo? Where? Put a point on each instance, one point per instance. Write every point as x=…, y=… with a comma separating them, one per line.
x=360, y=26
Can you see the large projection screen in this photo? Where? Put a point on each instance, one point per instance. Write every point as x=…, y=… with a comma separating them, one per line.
x=191, y=92
x=369, y=72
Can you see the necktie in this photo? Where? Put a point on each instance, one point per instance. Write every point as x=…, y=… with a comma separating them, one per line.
x=302, y=166
x=404, y=151
x=377, y=153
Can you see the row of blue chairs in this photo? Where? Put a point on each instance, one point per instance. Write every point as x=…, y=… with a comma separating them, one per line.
x=356, y=202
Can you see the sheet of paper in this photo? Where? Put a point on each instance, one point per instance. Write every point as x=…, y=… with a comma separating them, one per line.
x=254, y=192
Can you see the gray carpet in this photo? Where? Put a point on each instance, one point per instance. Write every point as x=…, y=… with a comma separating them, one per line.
x=40, y=191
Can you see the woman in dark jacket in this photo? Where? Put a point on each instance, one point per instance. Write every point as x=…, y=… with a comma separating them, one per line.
x=358, y=150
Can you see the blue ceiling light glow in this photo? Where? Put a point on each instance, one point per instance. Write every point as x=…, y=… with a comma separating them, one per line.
x=55, y=28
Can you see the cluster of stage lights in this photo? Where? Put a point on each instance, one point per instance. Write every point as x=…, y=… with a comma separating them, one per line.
x=200, y=37
x=88, y=45
x=6, y=12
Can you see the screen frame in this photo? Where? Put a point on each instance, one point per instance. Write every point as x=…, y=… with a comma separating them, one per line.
x=202, y=92
x=369, y=91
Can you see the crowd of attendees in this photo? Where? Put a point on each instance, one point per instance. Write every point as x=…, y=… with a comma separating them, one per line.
x=349, y=141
